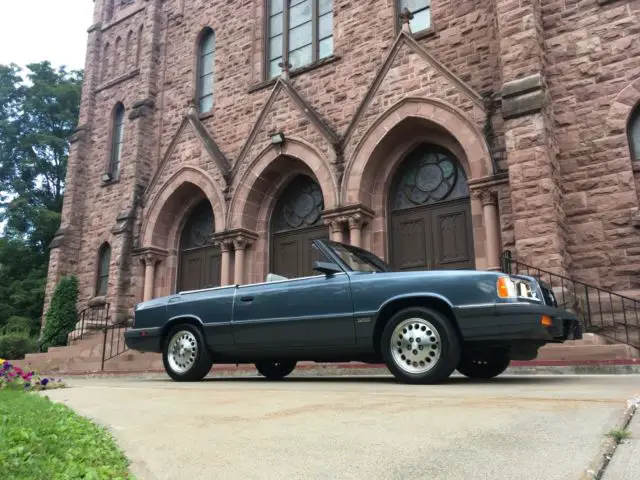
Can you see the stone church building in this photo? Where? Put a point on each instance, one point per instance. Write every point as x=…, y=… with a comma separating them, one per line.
x=217, y=138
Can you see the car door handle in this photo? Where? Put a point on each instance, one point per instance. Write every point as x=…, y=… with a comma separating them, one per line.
x=246, y=299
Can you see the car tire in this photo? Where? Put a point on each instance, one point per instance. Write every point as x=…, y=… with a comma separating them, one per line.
x=484, y=364
x=185, y=354
x=275, y=370
x=428, y=357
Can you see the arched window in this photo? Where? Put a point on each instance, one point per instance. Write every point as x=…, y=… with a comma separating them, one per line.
x=117, y=134
x=633, y=131
x=206, y=68
x=104, y=261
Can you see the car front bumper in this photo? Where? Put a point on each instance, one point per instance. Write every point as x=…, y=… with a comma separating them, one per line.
x=144, y=339
x=518, y=321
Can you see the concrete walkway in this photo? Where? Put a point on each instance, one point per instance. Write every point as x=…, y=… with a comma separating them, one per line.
x=625, y=464
x=524, y=427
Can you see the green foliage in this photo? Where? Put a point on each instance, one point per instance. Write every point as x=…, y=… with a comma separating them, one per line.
x=43, y=439
x=37, y=117
x=18, y=324
x=15, y=345
x=62, y=315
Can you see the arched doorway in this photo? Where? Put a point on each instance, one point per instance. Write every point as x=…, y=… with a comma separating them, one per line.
x=295, y=223
x=200, y=260
x=430, y=225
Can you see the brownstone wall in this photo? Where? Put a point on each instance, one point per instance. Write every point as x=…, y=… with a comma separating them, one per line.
x=587, y=53
x=593, y=51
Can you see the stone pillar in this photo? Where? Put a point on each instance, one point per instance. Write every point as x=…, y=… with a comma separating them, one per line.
x=225, y=267
x=534, y=173
x=336, y=229
x=240, y=244
x=150, y=260
x=491, y=228
x=356, y=222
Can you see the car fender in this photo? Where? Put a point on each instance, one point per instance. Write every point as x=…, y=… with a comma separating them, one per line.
x=409, y=296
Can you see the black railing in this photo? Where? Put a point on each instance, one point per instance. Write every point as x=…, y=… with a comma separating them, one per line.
x=606, y=313
x=113, y=341
x=89, y=321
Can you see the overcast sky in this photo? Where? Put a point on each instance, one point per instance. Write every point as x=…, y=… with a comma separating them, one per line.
x=35, y=30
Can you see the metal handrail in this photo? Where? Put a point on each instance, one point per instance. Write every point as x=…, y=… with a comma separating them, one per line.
x=586, y=301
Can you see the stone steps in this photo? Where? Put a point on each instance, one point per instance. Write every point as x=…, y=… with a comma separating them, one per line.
x=86, y=355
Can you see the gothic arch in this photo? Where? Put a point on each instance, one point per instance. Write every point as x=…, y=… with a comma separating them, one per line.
x=254, y=183
x=623, y=106
x=477, y=161
x=161, y=226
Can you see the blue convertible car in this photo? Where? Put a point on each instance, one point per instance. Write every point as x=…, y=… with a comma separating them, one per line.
x=422, y=324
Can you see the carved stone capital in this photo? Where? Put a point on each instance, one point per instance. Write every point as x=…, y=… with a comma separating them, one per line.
x=355, y=216
x=336, y=224
x=238, y=239
x=356, y=221
x=241, y=242
x=150, y=255
x=486, y=196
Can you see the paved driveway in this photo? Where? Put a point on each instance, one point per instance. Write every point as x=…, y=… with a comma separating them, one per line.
x=521, y=427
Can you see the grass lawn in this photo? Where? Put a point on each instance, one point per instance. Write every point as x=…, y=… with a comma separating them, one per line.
x=40, y=439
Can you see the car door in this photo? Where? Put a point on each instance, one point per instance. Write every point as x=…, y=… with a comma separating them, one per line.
x=314, y=311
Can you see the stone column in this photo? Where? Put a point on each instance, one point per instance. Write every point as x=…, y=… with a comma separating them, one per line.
x=150, y=261
x=336, y=228
x=225, y=268
x=356, y=222
x=491, y=228
x=240, y=243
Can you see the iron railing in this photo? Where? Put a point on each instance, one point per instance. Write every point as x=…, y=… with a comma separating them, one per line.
x=606, y=313
x=89, y=321
x=113, y=343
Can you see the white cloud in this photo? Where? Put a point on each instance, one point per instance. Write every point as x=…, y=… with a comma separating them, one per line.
x=32, y=31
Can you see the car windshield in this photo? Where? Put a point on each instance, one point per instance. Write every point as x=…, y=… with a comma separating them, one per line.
x=357, y=259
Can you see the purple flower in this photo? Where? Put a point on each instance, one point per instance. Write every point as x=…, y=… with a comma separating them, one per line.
x=44, y=381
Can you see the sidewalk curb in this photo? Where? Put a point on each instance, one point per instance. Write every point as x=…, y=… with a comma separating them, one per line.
x=611, y=367
x=609, y=445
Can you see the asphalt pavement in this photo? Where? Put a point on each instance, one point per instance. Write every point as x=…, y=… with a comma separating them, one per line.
x=514, y=427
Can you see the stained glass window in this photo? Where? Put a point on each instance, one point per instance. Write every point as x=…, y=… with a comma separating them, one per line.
x=428, y=175
x=300, y=205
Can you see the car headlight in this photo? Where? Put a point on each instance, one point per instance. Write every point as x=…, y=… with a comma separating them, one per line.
x=508, y=287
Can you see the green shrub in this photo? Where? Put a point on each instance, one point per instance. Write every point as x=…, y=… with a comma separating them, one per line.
x=15, y=345
x=18, y=324
x=62, y=316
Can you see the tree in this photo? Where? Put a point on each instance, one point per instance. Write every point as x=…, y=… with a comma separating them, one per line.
x=36, y=119
x=37, y=115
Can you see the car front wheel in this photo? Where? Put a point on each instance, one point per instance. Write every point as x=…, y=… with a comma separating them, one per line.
x=185, y=354
x=420, y=345
x=484, y=364
x=275, y=370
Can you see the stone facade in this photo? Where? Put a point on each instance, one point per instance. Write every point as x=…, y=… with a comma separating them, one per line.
x=533, y=98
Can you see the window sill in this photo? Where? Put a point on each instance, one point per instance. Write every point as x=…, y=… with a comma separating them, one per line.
x=294, y=73
x=106, y=183
x=205, y=115
x=98, y=301
x=429, y=32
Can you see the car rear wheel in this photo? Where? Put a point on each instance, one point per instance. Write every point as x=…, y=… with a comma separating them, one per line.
x=484, y=364
x=275, y=370
x=185, y=354
x=420, y=345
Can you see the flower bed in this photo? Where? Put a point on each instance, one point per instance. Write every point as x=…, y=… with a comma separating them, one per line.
x=13, y=377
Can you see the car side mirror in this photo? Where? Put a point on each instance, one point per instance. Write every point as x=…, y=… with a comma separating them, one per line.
x=327, y=268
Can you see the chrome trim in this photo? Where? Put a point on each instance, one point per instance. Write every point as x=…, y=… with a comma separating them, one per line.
x=184, y=292
x=287, y=280
x=477, y=305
